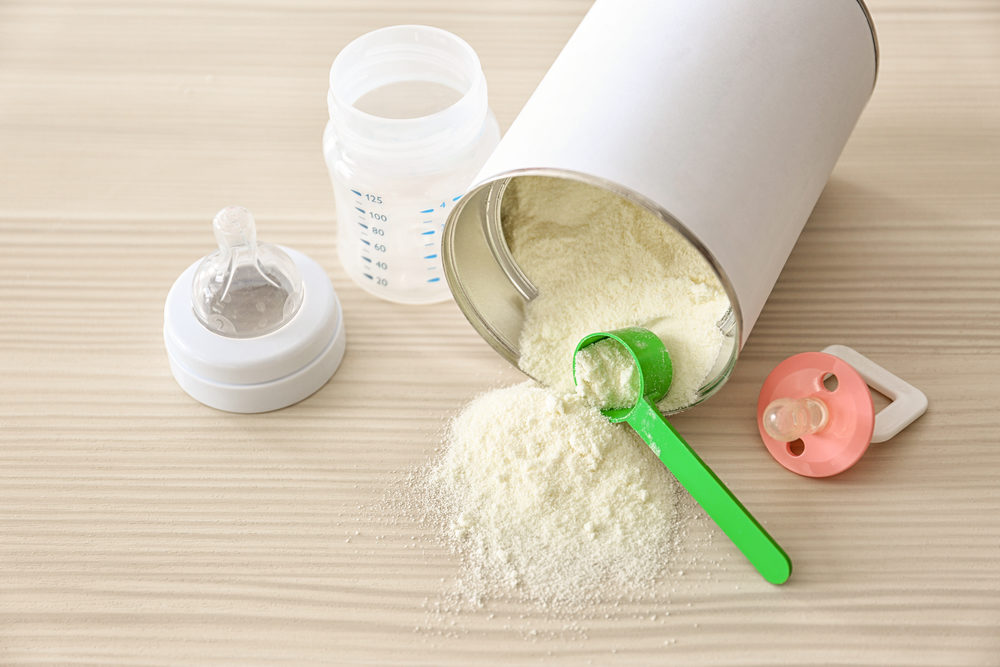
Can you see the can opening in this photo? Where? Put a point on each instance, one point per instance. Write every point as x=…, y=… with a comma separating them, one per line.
x=493, y=282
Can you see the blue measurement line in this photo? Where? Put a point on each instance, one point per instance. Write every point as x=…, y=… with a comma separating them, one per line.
x=367, y=259
x=356, y=192
x=368, y=276
x=456, y=198
x=363, y=225
x=366, y=242
x=358, y=208
x=431, y=231
x=429, y=210
x=430, y=256
x=428, y=221
x=433, y=280
x=431, y=268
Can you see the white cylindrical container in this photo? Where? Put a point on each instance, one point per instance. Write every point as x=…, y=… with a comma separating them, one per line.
x=409, y=128
x=722, y=117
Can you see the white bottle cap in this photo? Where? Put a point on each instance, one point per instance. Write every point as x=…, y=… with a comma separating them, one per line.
x=240, y=372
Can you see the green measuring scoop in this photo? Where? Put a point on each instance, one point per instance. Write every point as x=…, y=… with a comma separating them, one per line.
x=654, y=370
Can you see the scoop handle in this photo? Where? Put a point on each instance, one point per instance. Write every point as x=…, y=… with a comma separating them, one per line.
x=705, y=486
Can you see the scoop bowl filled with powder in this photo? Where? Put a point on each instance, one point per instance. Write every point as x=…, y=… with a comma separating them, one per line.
x=606, y=375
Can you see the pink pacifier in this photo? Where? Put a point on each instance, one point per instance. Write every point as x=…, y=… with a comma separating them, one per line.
x=815, y=411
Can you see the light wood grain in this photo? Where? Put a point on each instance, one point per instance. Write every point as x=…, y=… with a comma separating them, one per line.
x=140, y=528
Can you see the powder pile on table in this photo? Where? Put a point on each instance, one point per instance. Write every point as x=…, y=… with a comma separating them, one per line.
x=540, y=494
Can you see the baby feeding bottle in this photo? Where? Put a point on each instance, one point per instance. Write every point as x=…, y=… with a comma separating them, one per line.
x=409, y=128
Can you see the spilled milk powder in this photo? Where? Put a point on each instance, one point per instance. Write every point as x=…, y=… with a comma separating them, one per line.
x=540, y=494
x=536, y=491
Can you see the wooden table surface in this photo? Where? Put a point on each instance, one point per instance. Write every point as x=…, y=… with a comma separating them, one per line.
x=139, y=527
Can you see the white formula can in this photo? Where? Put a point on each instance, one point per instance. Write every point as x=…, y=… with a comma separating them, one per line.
x=722, y=117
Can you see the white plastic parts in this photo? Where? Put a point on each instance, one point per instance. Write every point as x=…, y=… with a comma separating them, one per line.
x=266, y=372
x=908, y=402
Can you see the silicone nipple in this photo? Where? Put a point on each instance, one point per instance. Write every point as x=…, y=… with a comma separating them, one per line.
x=788, y=419
x=244, y=289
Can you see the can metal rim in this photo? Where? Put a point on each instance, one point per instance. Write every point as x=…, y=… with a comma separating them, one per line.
x=871, y=28
x=490, y=217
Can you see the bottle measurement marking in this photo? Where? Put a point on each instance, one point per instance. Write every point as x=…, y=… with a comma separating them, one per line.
x=375, y=224
x=432, y=243
x=365, y=216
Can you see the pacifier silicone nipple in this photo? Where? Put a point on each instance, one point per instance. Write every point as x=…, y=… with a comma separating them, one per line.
x=788, y=419
x=244, y=289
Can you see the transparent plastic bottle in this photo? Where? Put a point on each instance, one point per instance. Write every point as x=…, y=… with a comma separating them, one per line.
x=410, y=127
